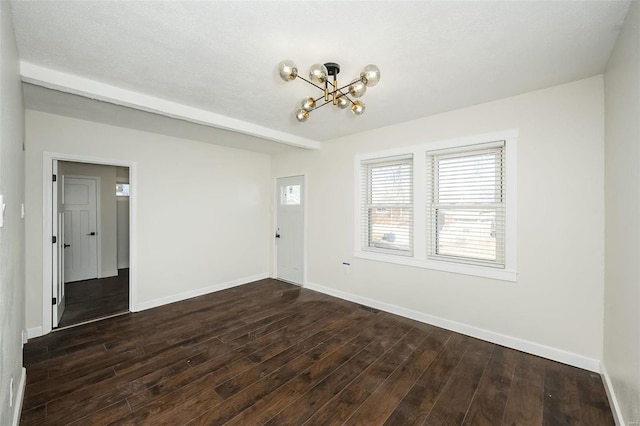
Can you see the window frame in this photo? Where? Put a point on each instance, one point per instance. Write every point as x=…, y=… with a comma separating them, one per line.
x=420, y=257
x=368, y=164
x=434, y=203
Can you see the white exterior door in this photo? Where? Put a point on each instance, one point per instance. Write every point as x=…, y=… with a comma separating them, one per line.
x=290, y=195
x=80, y=227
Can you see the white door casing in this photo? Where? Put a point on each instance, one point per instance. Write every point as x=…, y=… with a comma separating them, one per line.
x=80, y=219
x=290, y=198
x=50, y=212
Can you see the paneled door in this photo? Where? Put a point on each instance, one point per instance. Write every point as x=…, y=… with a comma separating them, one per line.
x=290, y=195
x=80, y=229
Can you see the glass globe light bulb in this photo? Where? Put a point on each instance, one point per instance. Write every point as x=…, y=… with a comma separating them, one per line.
x=308, y=104
x=357, y=108
x=357, y=89
x=302, y=115
x=318, y=73
x=370, y=75
x=343, y=102
x=288, y=70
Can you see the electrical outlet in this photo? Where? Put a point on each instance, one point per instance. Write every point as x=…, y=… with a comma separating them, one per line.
x=11, y=393
x=346, y=267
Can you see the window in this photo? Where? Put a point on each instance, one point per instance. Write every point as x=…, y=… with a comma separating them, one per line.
x=122, y=189
x=387, y=205
x=290, y=195
x=466, y=204
x=446, y=205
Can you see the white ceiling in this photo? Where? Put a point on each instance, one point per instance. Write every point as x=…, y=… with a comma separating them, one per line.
x=222, y=57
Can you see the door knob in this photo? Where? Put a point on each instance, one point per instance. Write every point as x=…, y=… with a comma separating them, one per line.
x=66, y=245
x=91, y=233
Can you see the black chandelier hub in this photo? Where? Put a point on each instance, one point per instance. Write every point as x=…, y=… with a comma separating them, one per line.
x=332, y=68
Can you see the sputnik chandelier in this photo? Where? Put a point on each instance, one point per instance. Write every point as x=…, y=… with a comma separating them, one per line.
x=319, y=75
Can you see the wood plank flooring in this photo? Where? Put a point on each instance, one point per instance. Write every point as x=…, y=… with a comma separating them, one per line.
x=91, y=299
x=275, y=354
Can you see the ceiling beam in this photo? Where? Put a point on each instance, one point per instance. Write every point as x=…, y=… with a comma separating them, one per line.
x=70, y=83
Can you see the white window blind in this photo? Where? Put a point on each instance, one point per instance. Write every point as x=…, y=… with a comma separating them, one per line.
x=466, y=204
x=387, y=205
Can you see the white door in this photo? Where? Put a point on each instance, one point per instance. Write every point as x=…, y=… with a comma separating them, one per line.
x=290, y=229
x=57, y=277
x=80, y=226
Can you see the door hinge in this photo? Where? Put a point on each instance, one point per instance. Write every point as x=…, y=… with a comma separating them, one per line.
x=55, y=178
x=54, y=301
x=54, y=239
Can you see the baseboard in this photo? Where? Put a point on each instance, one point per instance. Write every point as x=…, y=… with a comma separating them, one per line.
x=490, y=336
x=34, y=332
x=611, y=394
x=198, y=292
x=17, y=407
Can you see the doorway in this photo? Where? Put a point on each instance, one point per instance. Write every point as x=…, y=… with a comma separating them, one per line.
x=290, y=198
x=90, y=278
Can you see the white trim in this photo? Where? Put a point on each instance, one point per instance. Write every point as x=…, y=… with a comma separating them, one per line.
x=419, y=258
x=611, y=395
x=47, y=267
x=19, y=397
x=538, y=349
x=34, y=332
x=458, y=268
x=199, y=292
x=69, y=83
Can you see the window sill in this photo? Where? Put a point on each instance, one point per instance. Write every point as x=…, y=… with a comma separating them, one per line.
x=457, y=268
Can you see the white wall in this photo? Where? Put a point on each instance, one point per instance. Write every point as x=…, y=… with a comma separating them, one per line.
x=122, y=220
x=555, y=308
x=12, y=233
x=202, y=210
x=622, y=179
x=108, y=232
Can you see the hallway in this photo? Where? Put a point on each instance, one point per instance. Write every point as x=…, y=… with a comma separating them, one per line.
x=97, y=298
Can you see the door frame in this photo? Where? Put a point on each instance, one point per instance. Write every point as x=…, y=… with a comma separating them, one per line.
x=274, y=226
x=98, y=217
x=47, y=228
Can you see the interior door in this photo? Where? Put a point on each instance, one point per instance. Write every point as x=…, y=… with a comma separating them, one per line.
x=290, y=229
x=80, y=227
x=57, y=276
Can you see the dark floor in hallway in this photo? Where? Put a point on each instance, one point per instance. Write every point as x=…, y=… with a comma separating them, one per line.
x=91, y=299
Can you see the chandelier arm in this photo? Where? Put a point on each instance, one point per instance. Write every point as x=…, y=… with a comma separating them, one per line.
x=346, y=96
x=345, y=86
x=310, y=82
x=321, y=105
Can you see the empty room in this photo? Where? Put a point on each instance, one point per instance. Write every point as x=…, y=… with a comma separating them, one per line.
x=319, y=212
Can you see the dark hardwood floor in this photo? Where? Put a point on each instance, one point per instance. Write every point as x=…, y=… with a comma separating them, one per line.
x=272, y=353
x=91, y=299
